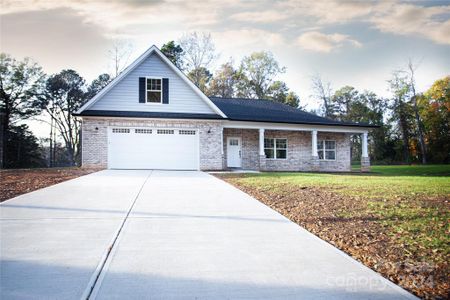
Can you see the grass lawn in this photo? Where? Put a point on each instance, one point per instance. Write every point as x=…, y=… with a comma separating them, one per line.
x=14, y=182
x=394, y=220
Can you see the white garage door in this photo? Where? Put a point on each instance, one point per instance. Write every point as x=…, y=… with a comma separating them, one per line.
x=150, y=148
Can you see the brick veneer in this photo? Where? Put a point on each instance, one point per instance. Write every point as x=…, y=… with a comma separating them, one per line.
x=365, y=164
x=95, y=139
x=299, y=156
x=249, y=147
x=95, y=142
x=343, y=158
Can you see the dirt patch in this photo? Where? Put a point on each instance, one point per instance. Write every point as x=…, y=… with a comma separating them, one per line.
x=17, y=182
x=345, y=222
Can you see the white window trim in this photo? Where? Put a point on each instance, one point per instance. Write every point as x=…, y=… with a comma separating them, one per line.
x=275, y=148
x=147, y=90
x=323, y=149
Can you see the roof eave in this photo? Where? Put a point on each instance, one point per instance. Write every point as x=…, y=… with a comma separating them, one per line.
x=367, y=126
x=146, y=115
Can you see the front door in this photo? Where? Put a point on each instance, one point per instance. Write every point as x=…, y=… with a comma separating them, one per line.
x=234, y=152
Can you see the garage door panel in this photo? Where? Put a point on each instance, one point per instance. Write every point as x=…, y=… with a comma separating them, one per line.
x=153, y=149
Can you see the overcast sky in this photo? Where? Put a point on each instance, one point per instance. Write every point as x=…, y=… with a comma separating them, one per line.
x=356, y=43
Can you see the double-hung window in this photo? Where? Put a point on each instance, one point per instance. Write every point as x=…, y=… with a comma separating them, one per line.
x=326, y=150
x=154, y=90
x=275, y=148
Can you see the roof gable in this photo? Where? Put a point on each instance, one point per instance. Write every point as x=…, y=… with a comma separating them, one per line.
x=119, y=94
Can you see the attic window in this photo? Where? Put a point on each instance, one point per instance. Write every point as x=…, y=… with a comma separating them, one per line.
x=154, y=90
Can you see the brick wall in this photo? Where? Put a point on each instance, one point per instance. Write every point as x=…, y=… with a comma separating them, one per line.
x=95, y=142
x=249, y=147
x=298, y=153
x=343, y=160
x=95, y=139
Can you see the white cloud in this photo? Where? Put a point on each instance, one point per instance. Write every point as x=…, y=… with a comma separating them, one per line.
x=244, y=41
x=429, y=22
x=290, y=16
x=396, y=17
x=268, y=16
x=320, y=42
x=117, y=16
x=330, y=11
x=51, y=37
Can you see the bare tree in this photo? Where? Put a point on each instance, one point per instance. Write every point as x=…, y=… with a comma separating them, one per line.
x=119, y=55
x=322, y=90
x=199, y=54
x=419, y=124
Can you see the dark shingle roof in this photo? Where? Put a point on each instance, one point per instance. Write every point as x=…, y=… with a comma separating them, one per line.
x=258, y=110
x=236, y=109
x=143, y=114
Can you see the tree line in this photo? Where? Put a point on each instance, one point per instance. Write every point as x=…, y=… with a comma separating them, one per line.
x=413, y=125
x=27, y=92
x=254, y=78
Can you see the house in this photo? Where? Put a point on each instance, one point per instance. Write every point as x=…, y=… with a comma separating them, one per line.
x=153, y=117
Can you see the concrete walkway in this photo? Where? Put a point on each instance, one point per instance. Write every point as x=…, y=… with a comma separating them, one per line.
x=184, y=235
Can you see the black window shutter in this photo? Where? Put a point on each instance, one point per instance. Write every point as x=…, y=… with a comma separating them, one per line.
x=165, y=90
x=141, y=89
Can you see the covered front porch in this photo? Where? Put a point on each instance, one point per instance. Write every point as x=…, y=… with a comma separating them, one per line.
x=271, y=147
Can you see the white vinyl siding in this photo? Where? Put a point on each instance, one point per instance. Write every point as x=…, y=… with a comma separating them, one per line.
x=125, y=95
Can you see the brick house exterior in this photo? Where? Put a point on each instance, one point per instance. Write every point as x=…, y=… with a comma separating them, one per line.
x=152, y=116
x=95, y=141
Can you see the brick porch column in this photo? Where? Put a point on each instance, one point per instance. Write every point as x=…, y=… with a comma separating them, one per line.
x=365, y=160
x=315, y=166
x=262, y=155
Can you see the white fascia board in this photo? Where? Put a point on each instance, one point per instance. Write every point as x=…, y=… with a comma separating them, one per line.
x=138, y=61
x=293, y=127
x=178, y=120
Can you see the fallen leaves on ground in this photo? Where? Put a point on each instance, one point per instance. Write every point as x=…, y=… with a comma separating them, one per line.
x=348, y=223
x=17, y=182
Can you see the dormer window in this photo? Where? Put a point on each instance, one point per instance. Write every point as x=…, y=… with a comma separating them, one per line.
x=154, y=90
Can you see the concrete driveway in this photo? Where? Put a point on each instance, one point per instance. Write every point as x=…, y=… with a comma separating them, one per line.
x=164, y=235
